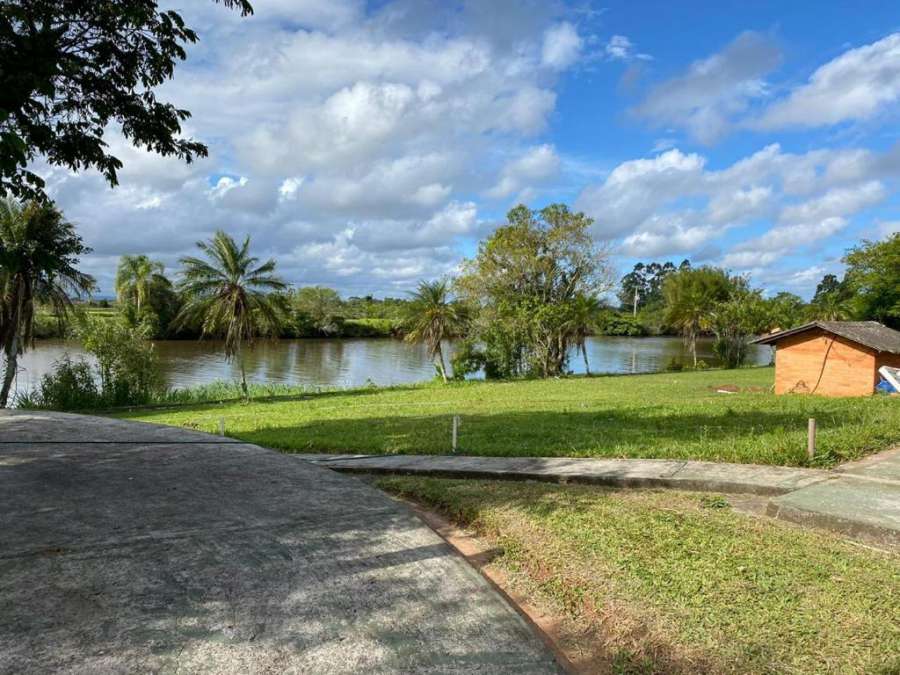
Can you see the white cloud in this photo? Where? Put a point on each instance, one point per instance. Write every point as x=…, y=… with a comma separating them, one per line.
x=621, y=48
x=673, y=204
x=836, y=202
x=857, y=85
x=289, y=187
x=668, y=235
x=740, y=204
x=562, y=46
x=336, y=128
x=637, y=189
x=888, y=227
x=705, y=99
x=534, y=166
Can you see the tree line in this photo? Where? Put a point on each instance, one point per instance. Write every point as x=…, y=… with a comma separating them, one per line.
x=148, y=298
x=522, y=306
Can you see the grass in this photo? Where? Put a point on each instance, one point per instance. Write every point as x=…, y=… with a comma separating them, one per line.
x=668, y=415
x=677, y=582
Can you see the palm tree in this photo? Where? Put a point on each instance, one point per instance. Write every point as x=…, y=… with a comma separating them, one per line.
x=135, y=276
x=230, y=295
x=690, y=296
x=830, y=307
x=38, y=253
x=431, y=318
x=585, y=310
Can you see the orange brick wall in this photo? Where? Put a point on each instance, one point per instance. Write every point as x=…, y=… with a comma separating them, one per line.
x=849, y=370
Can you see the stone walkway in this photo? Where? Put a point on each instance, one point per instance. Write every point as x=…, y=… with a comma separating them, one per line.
x=860, y=499
x=127, y=547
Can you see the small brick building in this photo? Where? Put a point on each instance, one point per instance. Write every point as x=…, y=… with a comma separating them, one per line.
x=832, y=358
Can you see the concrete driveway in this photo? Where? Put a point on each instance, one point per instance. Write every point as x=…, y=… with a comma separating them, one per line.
x=127, y=547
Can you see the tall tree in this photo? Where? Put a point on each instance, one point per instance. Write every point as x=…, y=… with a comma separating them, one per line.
x=690, y=295
x=785, y=310
x=432, y=317
x=39, y=251
x=522, y=283
x=643, y=285
x=134, y=278
x=829, y=285
x=70, y=69
x=230, y=295
x=320, y=307
x=873, y=279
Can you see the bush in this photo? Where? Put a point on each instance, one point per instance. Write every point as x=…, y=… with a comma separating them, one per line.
x=674, y=365
x=127, y=365
x=466, y=360
x=71, y=386
x=620, y=324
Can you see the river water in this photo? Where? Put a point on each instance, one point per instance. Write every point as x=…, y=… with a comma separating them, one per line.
x=347, y=363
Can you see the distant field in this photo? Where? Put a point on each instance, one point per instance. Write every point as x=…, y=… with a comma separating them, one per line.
x=640, y=581
x=667, y=415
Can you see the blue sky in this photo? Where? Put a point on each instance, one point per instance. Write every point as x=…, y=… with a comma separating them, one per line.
x=370, y=145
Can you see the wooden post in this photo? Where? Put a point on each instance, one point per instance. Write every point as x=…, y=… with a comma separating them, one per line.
x=221, y=426
x=811, y=438
x=455, y=432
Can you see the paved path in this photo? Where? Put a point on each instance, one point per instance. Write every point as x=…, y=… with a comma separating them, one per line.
x=127, y=547
x=860, y=499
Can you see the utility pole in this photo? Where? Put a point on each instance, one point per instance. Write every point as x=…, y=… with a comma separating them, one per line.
x=634, y=313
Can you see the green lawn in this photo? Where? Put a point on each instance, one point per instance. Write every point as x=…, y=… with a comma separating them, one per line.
x=677, y=415
x=652, y=581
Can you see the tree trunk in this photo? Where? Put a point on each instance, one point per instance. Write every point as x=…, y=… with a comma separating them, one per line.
x=587, y=366
x=12, y=363
x=244, y=388
x=440, y=360
x=694, y=347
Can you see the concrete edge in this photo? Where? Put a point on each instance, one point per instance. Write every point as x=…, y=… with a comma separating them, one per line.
x=696, y=482
x=851, y=529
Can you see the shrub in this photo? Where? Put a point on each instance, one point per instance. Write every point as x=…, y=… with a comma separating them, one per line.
x=466, y=360
x=619, y=324
x=70, y=386
x=127, y=365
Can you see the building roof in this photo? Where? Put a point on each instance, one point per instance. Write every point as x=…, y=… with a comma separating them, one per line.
x=867, y=333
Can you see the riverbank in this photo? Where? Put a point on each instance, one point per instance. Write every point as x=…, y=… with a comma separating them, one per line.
x=722, y=415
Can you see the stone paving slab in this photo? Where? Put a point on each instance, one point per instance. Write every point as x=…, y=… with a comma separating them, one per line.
x=685, y=475
x=855, y=507
x=154, y=555
x=883, y=466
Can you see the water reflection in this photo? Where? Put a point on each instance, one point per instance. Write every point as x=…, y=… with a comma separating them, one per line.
x=345, y=363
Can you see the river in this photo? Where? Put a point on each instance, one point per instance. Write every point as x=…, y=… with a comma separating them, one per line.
x=354, y=362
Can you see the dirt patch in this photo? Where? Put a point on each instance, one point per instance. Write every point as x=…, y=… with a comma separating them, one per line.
x=734, y=389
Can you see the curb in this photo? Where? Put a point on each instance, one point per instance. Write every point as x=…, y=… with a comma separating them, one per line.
x=626, y=473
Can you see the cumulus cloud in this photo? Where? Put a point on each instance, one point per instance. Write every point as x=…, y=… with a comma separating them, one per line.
x=674, y=204
x=637, y=189
x=705, y=98
x=346, y=139
x=562, y=46
x=857, y=85
x=534, y=166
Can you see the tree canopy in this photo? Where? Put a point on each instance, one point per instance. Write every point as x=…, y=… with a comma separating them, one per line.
x=873, y=278
x=523, y=285
x=231, y=295
x=71, y=68
x=39, y=252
